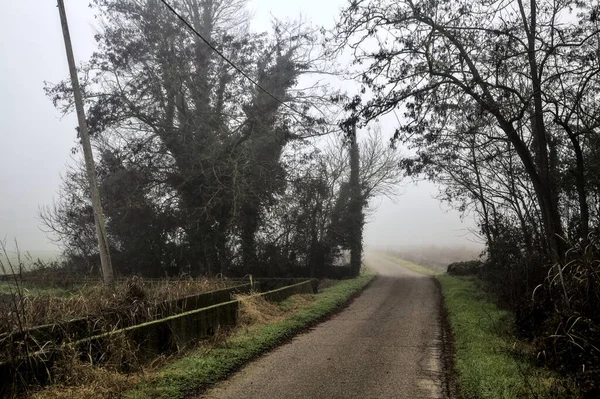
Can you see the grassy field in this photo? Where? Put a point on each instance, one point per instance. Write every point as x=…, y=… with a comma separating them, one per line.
x=410, y=265
x=434, y=257
x=491, y=363
x=9, y=288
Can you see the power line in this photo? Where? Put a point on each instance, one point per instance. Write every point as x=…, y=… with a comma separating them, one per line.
x=209, y=44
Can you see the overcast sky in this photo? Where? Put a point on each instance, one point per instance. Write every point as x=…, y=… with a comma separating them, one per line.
x=36, y=141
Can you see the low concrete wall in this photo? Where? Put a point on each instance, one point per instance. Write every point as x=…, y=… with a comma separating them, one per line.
x=194, y=302
x=81, y=328
x=182, y=330
x=165, y=335
x=304, y=287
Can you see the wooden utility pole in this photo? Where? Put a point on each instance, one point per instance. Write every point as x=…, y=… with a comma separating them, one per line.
x=107, y=270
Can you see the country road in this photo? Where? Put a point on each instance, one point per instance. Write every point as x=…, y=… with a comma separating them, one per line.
x=385, y=344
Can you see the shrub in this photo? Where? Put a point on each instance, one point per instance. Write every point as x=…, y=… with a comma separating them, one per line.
x=565, y=328
x=470, y=267
x=570, y=340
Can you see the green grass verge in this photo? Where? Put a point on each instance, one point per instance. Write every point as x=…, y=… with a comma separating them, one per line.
x=410, y=265
x=490, y=362
x=198, y=371
x=9, y=288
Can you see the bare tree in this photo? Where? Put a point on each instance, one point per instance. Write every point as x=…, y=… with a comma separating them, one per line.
x=442, y=61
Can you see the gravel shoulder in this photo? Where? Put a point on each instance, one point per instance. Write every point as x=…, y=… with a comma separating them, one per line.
x=385, y=344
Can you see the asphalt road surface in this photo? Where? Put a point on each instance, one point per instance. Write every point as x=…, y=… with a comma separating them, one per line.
x=386, y=344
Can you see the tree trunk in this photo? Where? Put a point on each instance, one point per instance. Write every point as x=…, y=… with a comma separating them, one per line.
x=580, y=183
x=480, y=194
x=546, y=187
x=356, y=205
x=248, y=238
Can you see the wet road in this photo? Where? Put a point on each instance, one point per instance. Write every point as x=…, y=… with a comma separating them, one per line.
x=385, y=344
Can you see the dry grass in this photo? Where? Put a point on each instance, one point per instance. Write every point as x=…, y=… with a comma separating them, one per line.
x=255, y=310
x=74, y=376
x=82, y=381
x=27, y=302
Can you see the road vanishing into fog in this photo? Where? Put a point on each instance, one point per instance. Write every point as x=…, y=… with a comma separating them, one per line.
x=385, y=344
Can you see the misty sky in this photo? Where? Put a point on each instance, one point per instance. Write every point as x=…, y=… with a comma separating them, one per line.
x=36, y=140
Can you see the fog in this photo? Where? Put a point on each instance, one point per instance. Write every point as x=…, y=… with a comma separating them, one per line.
x=36, y=141
x=416, y=219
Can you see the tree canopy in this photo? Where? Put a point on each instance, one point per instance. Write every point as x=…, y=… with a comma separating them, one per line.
x=194, y=158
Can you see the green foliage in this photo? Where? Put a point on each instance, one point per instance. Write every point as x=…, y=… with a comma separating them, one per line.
x=199, y=370
x=491, y=363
